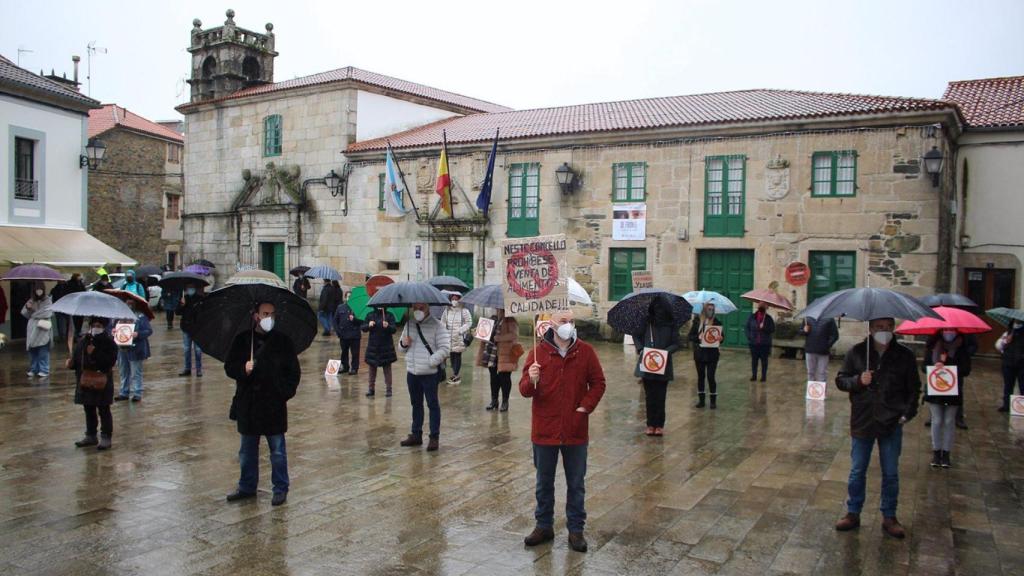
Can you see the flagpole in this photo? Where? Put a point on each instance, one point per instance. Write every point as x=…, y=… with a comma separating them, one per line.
x=448, y=171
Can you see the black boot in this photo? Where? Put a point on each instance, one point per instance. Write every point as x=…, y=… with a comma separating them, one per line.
x=936, y=458
x=504, y=405
x=700, y=400
x=412, y=440
x=493, y=405
x=714, y=400
x=946, y=463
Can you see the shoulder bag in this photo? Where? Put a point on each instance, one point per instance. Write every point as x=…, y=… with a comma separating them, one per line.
x=441, y=374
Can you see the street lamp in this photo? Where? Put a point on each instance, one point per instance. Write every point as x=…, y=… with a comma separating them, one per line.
x=333, y=182
x=93, y=156
x=567, y=178
x=933, y=164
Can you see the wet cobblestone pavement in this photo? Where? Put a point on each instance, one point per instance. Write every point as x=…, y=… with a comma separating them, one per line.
x=752, y=488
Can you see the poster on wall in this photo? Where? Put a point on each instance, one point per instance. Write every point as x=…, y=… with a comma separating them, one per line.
x=629, y=222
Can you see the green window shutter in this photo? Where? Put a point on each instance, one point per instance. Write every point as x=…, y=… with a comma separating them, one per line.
x=523, y=200
x=831, y=271
x=272, y=135
x=629, y=182
x=623, y=262
x=380, y=191
x=725, y=183
x=834, y=173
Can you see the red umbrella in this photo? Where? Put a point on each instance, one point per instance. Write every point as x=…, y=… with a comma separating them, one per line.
x=953, y=319
x=140, y=303
x=376, y=282
x=768, y=297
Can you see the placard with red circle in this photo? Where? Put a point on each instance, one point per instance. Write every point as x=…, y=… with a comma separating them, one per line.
x=123, y=334
x=712, y=337
x=1016, y=405
x=798, y=274
x=333, y=367
x=942, y=381
x=543, y=326
x=816, y=390
x=484, y=329
x=653, y=360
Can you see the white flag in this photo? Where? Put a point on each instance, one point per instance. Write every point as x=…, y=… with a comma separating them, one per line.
x=394, y=191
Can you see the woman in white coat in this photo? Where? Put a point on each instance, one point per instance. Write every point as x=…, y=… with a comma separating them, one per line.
x=458, y=321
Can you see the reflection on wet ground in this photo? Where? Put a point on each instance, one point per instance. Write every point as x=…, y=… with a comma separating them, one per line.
x=752, y=488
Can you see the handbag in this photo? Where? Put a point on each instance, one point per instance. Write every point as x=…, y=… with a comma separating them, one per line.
x=44, y=324
x=441, y=373
x=91, y=379
x=467, y=339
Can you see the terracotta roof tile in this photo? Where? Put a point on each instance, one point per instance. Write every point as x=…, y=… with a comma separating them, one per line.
x=370, y=78
x=111, y=116
x=651, y=113
x=19, y=78
x=989, y=102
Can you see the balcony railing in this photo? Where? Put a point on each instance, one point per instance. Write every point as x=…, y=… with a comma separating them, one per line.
x=26, y=190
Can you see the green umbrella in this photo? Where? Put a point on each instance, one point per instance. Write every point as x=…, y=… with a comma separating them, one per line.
x=358, y=303
x=1005, y=315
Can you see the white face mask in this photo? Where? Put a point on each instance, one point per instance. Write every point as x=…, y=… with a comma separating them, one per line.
x=39, y=293
x=949, y=336
x=267, y=324
x=96, y=331
x=456, y=304
x=419, y=315
x=882, y=337
x=566, y=331
x=190, y=291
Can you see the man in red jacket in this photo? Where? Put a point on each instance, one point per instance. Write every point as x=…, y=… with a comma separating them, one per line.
x=566, y=382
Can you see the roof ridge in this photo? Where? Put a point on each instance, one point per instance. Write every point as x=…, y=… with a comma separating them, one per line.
x=992, y=79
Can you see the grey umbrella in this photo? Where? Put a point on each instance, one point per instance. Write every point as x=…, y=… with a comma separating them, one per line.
x=449, y=282
x=953, y=300
x=92, y=303
x=176, y=281
x=402, y=294
x=489, y=296
x=868, y=304
x=323, y=272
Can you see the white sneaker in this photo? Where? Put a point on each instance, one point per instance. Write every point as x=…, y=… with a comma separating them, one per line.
x=29, y=374
x=43, y=374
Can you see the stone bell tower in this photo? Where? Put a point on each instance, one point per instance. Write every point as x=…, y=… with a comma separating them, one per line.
x=228, y=58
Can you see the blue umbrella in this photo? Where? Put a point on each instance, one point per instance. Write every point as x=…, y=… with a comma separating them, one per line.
x=1002, y=315
x=92, y=303
x=323, y=272
x=405, y=294
x=698, y=298
x=489, y=296
x=630, y=315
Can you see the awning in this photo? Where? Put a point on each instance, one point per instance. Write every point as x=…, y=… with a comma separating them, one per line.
x=56, y=247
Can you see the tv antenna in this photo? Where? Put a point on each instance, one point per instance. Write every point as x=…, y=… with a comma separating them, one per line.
x=90, y=49
x=23, y=51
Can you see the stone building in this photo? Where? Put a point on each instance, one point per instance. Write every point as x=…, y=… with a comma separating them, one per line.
x=135, y=197
x=717, y=191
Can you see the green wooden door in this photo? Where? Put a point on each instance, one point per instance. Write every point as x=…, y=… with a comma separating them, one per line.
x=730, y=273
x=458, y=264
x=831, y=271
x=272, y=258
x=623, y=262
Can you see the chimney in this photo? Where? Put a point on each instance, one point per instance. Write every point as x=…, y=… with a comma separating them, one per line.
x=75, y=59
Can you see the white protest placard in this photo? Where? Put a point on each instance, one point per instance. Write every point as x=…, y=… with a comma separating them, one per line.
x=629, y=222
x=534, y=275
x=484, y=329
x=642, y=279
x=123, y=334
x=653, y=360
x=711, y=337
x=941, y=381
x=333, y=367
x=1016, y=405
x=816, y=390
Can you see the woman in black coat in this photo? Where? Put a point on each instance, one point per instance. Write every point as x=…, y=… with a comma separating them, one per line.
x=95, y=350
x=705, y=356
x=948, y=348
x=380, y=347
x=662, y=333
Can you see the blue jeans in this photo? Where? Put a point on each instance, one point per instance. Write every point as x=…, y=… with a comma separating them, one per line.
x=39, y=359
x=131, y=373
x=889, y=448
x=189, y=346
x=421, y=387
x=249, y=459
x=325, y=320
x=574, y=463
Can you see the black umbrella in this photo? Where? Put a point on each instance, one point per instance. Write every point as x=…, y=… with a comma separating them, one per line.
x=401, y=294
x=449, y=283
x=630, y=315
x=952, y=300
x=204, y=262
x=298, y=271
x=868, y=304
x=148, y=270
x=176, y=281
x=217, y=319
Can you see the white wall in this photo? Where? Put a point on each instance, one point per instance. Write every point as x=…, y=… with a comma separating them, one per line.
x=61, y=180
x=383, y=115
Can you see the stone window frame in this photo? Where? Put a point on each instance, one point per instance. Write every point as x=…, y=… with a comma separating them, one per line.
x=174, y=153
x=629, y=193
x=273, y=129
x=523, y=191
x=380, y=192
x=626, y=286
x=833, y=181
x=716, y=222
x=24, y=211
x=177, y=206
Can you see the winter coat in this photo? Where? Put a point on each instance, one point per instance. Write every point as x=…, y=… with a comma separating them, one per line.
x=135, y=287
x=701, y=354
x=960, y=357
x=103, y=358
x=187, y=302
x=380, y=345
x=507, y=347
x=894, y=392
x=760, y=335
x=418, y=360
x=169, y=300
x=36, y=336
x=301, y=286
x=665, y=337
x=330, y=298
x=823, y=336
x=565, y=384
x=458, y=321
x=260, y=402
x=1012, y=352
x=347, y=329
x=139, y=350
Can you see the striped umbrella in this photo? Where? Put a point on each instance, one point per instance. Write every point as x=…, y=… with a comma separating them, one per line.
x=323, y=272
x=256, y=277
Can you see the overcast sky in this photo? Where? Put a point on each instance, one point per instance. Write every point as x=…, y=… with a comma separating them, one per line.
x=530, y=54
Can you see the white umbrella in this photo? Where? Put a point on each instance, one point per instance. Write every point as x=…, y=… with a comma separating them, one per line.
x=577, y=295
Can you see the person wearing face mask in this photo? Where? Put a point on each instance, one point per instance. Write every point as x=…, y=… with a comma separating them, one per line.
x=426, y=343
x=565, y=383
x=1011, y=348
x=348, y=327
x=131, y=285
x=947, y=348
x=130, y=358
x=95, y=351
x=500, y=356
x=705, y=357
x=760, y=327
x=39, y=331
x=662, y=333
x=884, y=386
x=458, y=321
x=190, y=298
x=263, y=363
x=380, y=348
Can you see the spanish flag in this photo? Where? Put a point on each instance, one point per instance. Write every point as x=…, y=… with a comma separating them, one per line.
x=444, y=180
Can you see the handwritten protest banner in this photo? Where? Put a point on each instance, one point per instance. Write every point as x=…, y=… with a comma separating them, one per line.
x=534, y=274
x=642, y=279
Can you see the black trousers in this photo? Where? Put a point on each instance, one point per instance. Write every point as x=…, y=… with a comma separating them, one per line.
x=106, y=421
x=706, y=371
x=655, y=392
x=170, y=318
x=500, y=381
x=456, y=358
x=759, y=352
x=349, y=354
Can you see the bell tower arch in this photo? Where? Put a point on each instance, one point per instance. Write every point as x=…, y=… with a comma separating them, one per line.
x=227, y=59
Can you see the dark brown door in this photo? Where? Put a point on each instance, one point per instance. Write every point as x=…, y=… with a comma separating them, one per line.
x=990, y=288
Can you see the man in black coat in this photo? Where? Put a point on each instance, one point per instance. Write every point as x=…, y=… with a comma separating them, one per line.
x=884, y=391
x=348, y=327
x=266, y=371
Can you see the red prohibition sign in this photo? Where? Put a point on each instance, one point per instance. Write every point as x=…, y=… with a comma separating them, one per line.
x=1018, y=405
x=654, y=360
x=712, y=334
x=542, y=286
x=942, y=380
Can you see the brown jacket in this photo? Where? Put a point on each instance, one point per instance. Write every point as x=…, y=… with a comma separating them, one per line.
x=506, y=337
